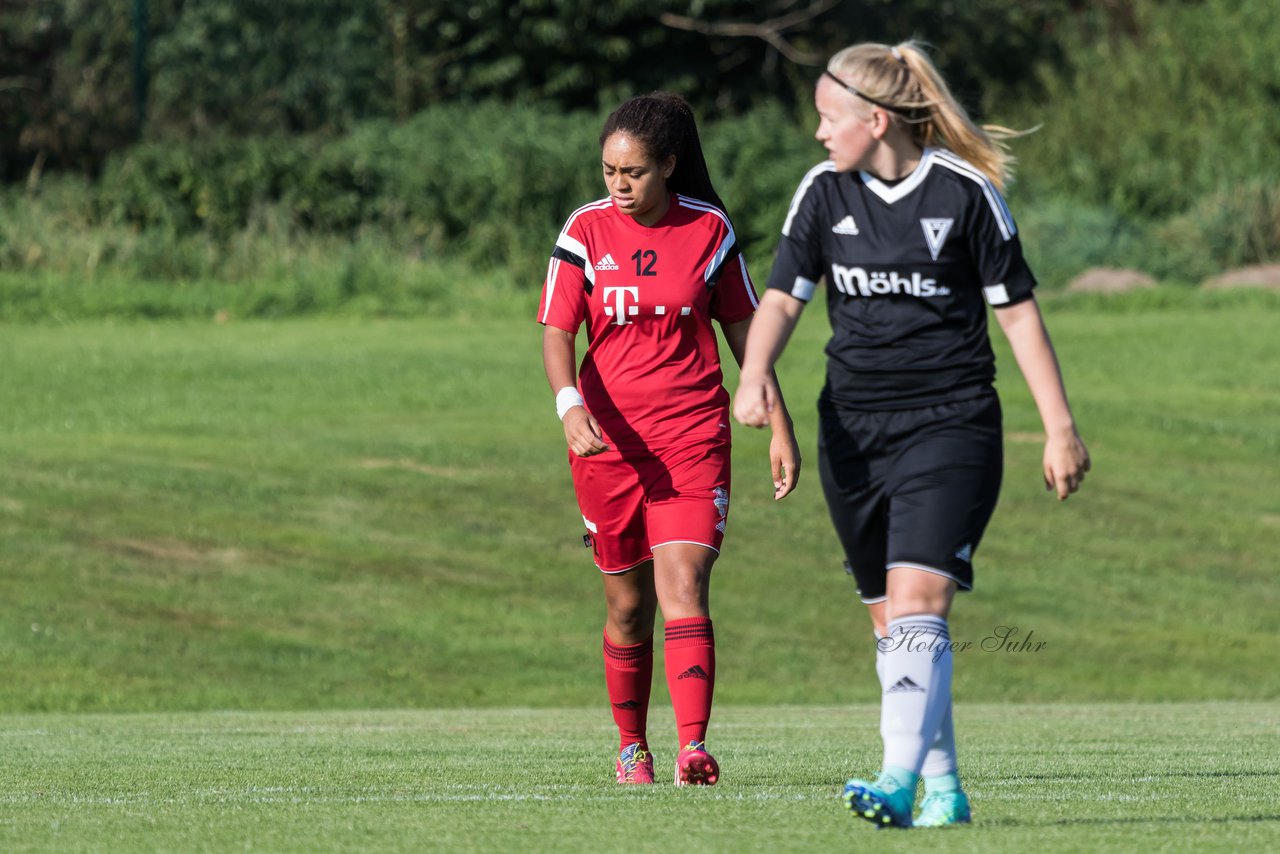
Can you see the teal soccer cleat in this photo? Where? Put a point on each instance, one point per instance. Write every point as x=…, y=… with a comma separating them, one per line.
x=941, y=809
x=884, y=803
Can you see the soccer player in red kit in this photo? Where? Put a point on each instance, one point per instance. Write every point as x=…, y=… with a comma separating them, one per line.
x=646, y=418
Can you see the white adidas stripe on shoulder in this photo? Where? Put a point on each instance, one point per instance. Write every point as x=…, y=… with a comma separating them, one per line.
x=1004, y=219
x=730, y=238
x=747, y=283
x=599, y=204
x=809, y=178
x=699, y=205
x=570, y=244
x=553, y=269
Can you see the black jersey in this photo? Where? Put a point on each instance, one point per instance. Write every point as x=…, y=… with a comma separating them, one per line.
x=910, y=268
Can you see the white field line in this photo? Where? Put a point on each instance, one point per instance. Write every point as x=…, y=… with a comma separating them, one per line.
x=250, y=797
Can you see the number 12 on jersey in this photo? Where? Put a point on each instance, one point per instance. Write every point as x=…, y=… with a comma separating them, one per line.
x=645, y=259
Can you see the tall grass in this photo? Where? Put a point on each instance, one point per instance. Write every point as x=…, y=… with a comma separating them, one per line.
x=1152, y=117
x=1158, y=149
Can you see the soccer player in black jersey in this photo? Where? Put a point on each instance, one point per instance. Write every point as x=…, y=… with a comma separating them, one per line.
x=907, y=224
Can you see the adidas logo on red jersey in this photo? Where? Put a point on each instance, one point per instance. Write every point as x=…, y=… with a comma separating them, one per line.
x=607, y=263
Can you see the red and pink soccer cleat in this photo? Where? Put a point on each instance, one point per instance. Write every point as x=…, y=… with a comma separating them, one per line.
x=635, y=765
x=696, y=767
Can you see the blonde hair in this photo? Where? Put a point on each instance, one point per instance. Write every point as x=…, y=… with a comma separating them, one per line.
x=904, y=80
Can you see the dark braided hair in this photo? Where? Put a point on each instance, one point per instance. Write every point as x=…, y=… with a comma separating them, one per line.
x=663, y=124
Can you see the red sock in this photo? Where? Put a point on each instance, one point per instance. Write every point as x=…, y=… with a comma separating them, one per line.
x=690, y=648
x=628, y=674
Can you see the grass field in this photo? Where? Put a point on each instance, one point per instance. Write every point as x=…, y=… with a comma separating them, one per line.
x=1061, y=777
x=357, y=518
x=342, y=514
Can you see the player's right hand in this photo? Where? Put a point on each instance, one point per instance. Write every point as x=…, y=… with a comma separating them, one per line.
x=582, y=432
x=755, y=399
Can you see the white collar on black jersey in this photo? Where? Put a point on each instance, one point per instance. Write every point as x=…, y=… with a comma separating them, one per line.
x=891, y=194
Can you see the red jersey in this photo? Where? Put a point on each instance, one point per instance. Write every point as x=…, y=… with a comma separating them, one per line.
x=651, y=373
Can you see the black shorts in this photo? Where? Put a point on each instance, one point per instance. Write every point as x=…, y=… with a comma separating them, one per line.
x=913, y=487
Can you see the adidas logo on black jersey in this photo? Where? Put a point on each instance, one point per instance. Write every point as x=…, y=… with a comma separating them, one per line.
x=607, y=263
x=845, y=226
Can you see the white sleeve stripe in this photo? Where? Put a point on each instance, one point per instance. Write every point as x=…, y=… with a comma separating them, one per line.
x=592, y=206
x=746, y=281
x=1004, y=219
x=553, y=267
x=727, y=244
x=695, y=204
x=802, y=289
x=574, y=246
x=718, y=259
x=999, y=210
x=810, y=176
x=996, y=294
x=570, y=244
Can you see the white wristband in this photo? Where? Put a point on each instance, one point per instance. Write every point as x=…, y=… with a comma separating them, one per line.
x=566, y=399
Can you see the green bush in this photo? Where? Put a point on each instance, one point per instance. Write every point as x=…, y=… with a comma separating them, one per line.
x=1236, y=226
x=485, y=182
x=1062, y=238
x=283, y=225
x=491, y=183
x=1151, y=118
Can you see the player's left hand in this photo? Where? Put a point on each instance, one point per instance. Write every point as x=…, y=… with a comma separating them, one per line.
x=784, y=457
x=1066, y=460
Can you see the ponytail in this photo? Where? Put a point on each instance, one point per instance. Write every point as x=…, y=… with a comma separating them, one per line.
x=663, y=124
x=905, y=81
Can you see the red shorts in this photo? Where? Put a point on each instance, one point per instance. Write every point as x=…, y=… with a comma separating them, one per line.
x=635, y=501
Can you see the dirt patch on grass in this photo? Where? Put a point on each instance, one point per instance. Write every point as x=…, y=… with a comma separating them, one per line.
x=411, y=465
x=173, y=551
x=1107, y=280
x=1025, y=438
x=1256, y=276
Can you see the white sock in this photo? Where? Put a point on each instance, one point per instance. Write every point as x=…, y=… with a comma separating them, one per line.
x=879, y=660
x=940, y=760
x=917, y=688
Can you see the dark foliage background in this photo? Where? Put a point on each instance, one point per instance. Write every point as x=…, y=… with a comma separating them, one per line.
x=293, y=66
x=322, y=151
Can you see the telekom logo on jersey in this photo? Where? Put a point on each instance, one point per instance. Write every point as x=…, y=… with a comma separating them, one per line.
x=856, y=281
x=620, y=310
